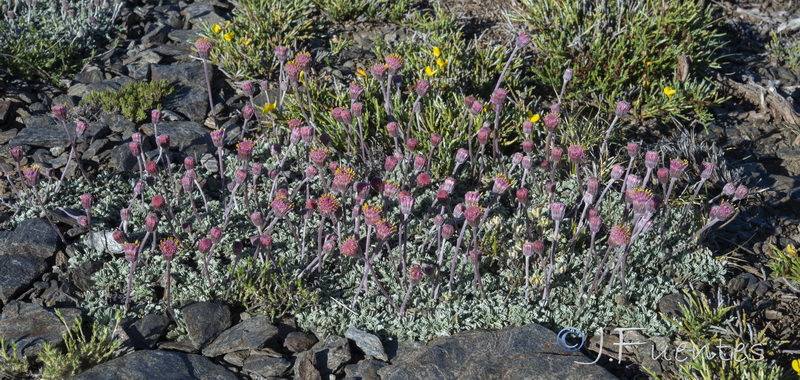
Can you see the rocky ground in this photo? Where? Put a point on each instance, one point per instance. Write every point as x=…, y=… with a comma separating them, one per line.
x=758, y=128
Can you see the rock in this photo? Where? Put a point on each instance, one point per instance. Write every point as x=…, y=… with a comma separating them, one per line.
x=331, y=355
x=121, y=160
x=250, y=334
x=759, y=289
x=156, y=364
x=671, y=304
x=197, y=13
x=368, y=343
x=30, y=326
x=236, y=358
x=33, y=237
x=146, y=331
x=299, y=341
x=102, y=241
x=44, y=131
x=91, y=74
x=156, y=36
x=5, y=108
x=190, y=101
x=526, y=352
x=365, y=369
x=397, y=350
x=263, y=364
x=119, y=124
x=305, y=367
x=188, y=137
x=205, y=320
x=183, y=36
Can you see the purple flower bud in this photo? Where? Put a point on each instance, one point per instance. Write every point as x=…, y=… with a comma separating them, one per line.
x=163, y=140
x=557, y=211
x=538, y=247
x=422, y=87
x=527, y=249
x=436, y=139
x=155, y=117
x=516, y=158
x=523, y=39
x=498, y=99
x=60, y=112
x=556, y=154
x=203, y=46
x=419, y=163
x=151, y=222
x=676, y=167
x=706, y=170
x=186, y=184
x=390, y=163
x=216, y=234
x=125, y=214
x=355, y=91
x=622, y=109
x=411, y=144
x=651, y=159
x=357, y=109
x=722, y=212
x=218, y=138
x=663, y=175
x=461, y=156
x=447, y=231
x=188, y=163
x=483, y=135
x=406, y=205
x=248, y=88
x=16, y=153
x=741, y=192
x=80, y=128
x=595, y=224
x=633, y=149
x=632, y=181
x=551, y=121
x=522, y=195
x=476, y=108
x=617, y=171
x=204, y=245
x=567, y=75
x=86, y=201
x=392, y=129
x=527, y=162
x=576, y=153
x=118, y=237
x=138, y=188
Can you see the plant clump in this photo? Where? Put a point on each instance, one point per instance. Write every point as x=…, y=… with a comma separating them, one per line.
x=132, y=100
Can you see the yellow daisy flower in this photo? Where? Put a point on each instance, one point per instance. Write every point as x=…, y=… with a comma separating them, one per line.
x=436, y=51
x=430, y=71
x=669, y=91
x=216, y=28
x=228, y=36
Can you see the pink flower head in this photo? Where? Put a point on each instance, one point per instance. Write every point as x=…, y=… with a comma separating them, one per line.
x=411, y=144
x=350, y=247
x=741, y=192
x=557, y=211
x=379, y=71
x=293, y=70
x=475, y=256
x=355, y=91
x=550, y=187
x=663, y=175
x=473, y=214
x=125, y=214
x=280, y=53
x=516, y=158
x=632, y=181
x=204, y=245
x=216, y=234
x=307, y=134
x=357, y=109
x=392, y=129
x=622, y=109
x=218, y=137
x=265, y=241
x=436, y=139
x=472, y=198
x=80, y=128
x=447, y=231
x=419, y=163
x=617, y=171
x=163, y=140
x=188, y=163
x=135, y=148
x=394, y=62
x=244, y=150
x=343, y=177
x=483, y=135
x=442, y=197
x=415, y=275
x=556, y=153
x=448, y=185
x=522, y=195
x=186, y=184
x=60, y=112
x=384, y=229
x=422, y=87
x=203, y=46
x=722, y=212
x=16, y=153
x=468, y=101
x=633, y=149
x=619, y=236
x=248, y=112
x=131, y=251
x=576, y=153
x=390, y=189
x=551, y=121
x=240, y=176
x=423, y=179
x=327, y=205
x=676, y=167
x=151, y=222
x=255, y=169
x=527, y=127
x=406, y=205
x=567, y=75
x=281, y=206
x=498, y=99
x=169, y=247
x=257, y=219
x=641, y=199
x=311, y=171
x=157, y=202
x=477, y=108
x=527, y=162
x=706, y=169
x=329, y=245
x=346, y=116
x=372, y=213
x=527, y=249
x=592, y=186
x=527, y=146
x=594, y=224
x=151, y=168
x=86, y=201
x=501, y=184
x=523, y=39
x=461, y=156
x=248, y=88
x=118, y=236
x=390, y=163
x=556, y=108
x=538, y=247
x=138, y=188
x=651, y=159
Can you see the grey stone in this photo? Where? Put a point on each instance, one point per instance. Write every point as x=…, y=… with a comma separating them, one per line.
x=156, y=36
x=250, y=334
x=299, y=341
x=44, y=131
x=157, y=364
x=741, y=282
x=102, y=241
x=190, y=101
x=368, y=343
x=91, y=75
x=236, y=358
x=111, y=84
x=526, y=352
x=17, y=272
x=331, y=354
x=139, y=71
x=5, y=108
x=183, y=36
x=94, y=148
x=188, y=137
x=30, y=326
x=205, y=320
x=189, y=73
x=397, y=350
x=146, y=331
x=671, y=304
x=365, y=369
x=197, y=13
x=263, y=364
x=305, y=367
x=121, y=159
x=118, y=124
x=33, y=237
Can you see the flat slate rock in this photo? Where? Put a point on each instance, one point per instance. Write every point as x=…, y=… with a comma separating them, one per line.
x=146, y=331
x=250, y=334
x=17, y=273
x=33, y=237
x=157, y=364
x=368, y=343
x=205, y=320
x=44, y=131
x=526, y=352
x=30, y=326
x=263, y=364
x=188, y=137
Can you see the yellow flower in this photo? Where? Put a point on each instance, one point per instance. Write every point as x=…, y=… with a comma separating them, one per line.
x=669, y=91
x=533, y=117
x=361, y=73
x=246, y=41
x=648, y=63
x=228, y=36
x=269, y=107
x=430, y=71
x=216, y=28
x=302, y=75
x=791, y=250
x=796, y=365
x=436, y=51
x=442, y=63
